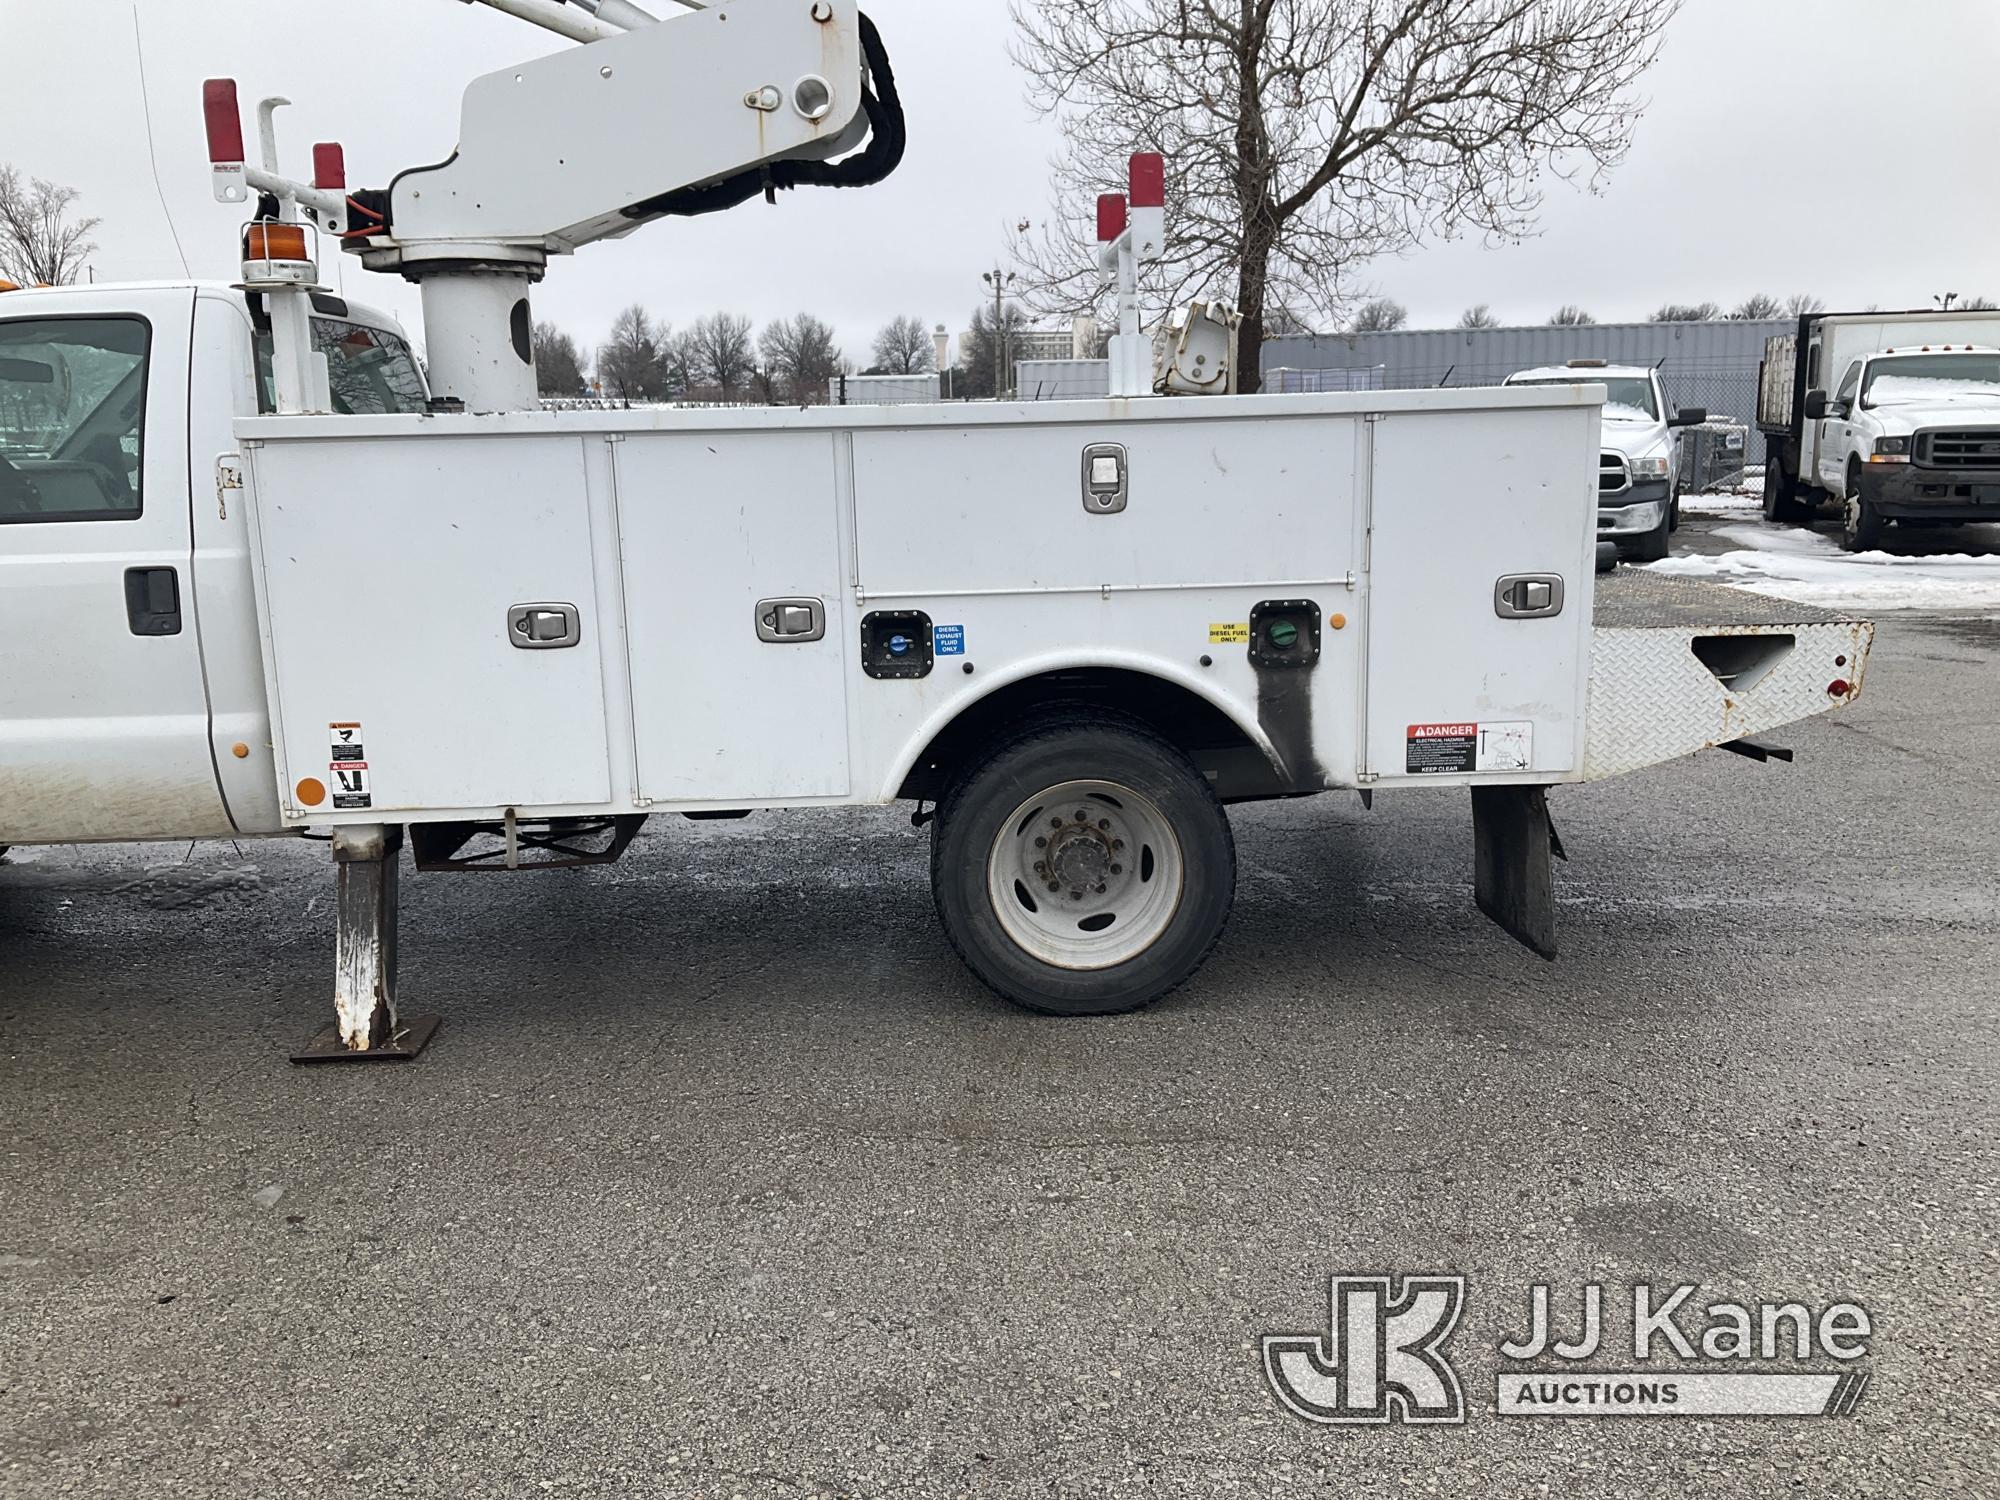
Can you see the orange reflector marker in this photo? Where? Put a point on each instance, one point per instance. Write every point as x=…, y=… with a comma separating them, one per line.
x=264, y=241
x=312, y=792
x=240, y=750
x=1338, y=622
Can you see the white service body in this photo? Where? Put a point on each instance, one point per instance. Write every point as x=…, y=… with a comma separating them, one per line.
x=360, y=570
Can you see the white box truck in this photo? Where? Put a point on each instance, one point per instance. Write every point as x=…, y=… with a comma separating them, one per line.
x=257, y=577
x=1893, y=417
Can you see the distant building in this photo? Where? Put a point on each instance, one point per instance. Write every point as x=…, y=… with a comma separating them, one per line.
x=1709, y=364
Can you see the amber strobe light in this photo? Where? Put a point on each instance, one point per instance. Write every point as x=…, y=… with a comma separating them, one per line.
x=264, y=240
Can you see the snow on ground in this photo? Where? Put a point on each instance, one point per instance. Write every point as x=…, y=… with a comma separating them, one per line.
x=1809, y=568
x=1746, y=494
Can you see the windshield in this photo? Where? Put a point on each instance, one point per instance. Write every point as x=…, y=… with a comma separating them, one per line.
x=1628, y=398
x=1931, y=377
x=371, y=372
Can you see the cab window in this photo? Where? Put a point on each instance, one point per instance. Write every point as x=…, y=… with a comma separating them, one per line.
x=72, y=418
x=370, y=372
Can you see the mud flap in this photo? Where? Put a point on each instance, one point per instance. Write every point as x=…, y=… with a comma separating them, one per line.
x=1513, y=865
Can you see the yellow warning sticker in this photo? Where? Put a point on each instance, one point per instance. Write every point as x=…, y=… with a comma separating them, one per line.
x=1229, y=635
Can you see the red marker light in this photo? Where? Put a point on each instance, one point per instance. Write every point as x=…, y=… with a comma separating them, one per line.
x=1838, y=688
x=330, y=167
x=1110, y=217
x=224, y=120
x=1149, y=180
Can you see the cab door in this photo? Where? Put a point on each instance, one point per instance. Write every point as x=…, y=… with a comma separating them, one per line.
x=1836, y=431
x=103, y=715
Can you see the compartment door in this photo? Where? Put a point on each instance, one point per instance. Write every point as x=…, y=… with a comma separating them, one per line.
x=1460, y=500
x=391, y=572
x=714, y=525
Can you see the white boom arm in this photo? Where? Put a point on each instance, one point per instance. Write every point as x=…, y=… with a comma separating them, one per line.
x=647, y=119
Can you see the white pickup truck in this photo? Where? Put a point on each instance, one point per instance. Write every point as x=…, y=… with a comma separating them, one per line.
x=1638, y=496
x=1895, y=417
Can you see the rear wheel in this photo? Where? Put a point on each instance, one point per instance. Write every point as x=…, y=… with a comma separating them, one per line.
x=1781, y=502
x=1861, y=525
x=1083, y=868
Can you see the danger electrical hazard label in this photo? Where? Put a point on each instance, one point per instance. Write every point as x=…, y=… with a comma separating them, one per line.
x=350, y=784
x=1455, y=749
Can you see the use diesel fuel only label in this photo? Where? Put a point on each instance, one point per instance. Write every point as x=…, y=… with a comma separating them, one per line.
x=1457, y=749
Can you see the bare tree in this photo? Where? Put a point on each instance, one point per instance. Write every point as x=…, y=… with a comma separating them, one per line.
x=1976, y=304
x=1304, y=137
x=1687, y=312
x=1380, y=315
x=800, y=357
x=558, y=363
x=1799, y=304
x=629, y=364
x=1480, y=316
x=987, y=347
x=1569, y=315
x=1758, y=307
x=905, y=347
x=719, y=350
x=40, y=243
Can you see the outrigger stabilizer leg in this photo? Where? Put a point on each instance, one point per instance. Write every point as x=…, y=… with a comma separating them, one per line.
x=366, y=1027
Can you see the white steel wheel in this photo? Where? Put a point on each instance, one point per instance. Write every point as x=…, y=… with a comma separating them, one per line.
x=1128, y=831
x=1086, y=875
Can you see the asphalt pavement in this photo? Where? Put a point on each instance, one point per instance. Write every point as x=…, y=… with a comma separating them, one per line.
x=722, y=1176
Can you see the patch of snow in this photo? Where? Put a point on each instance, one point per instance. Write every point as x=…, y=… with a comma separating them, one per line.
x=1809, y=568
x=1722, y=503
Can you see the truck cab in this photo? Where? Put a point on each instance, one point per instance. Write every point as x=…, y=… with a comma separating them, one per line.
x=126, y=711
x=1910, y=434
x=1638, y=500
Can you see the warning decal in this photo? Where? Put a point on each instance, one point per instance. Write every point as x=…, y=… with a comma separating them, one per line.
x=1455, y=749
x=1229, y=635
x=350, y=784
x=1441, y=749
x=948, y=640
x=346, y=742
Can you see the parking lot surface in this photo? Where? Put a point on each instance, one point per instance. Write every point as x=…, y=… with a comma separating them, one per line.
x=722, y=1177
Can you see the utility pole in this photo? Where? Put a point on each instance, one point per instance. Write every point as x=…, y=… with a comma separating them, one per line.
x=999, y=281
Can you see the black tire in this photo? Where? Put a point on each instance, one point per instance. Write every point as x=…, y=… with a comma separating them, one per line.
x=1652, y=546
x=1674, y=511
x=1781, y=502
x=982, y=804
x=1861, y=525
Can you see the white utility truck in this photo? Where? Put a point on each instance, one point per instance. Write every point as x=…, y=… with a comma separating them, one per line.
x=256, y=577
x=1638, y=472
x=1895, y=417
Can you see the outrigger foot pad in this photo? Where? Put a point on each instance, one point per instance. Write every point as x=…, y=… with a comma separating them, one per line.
x=401, y=1045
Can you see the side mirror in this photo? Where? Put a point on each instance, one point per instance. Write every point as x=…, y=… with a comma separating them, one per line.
x=1689, y=416
x=1815, y=405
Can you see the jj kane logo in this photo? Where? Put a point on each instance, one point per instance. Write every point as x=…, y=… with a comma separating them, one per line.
x=1383, y=1357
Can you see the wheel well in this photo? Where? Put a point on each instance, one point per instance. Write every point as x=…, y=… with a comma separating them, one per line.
x=1233, y=763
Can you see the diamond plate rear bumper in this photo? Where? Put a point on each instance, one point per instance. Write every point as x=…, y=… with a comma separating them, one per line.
x=1679, y=666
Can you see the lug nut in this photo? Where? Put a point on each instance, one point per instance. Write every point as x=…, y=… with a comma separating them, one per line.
x=1083, y=817
x=1117, y=869
x=1118, y=843
x=1055, y=822
x=1076, y=895
x=1105, y=824
x=1041, y=843
x=1100, y=888
x=1053, y=886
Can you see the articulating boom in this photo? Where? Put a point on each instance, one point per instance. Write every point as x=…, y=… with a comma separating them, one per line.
x=646, y=119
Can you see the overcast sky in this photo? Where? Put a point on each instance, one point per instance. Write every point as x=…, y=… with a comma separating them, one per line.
x=1842, y=147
